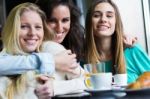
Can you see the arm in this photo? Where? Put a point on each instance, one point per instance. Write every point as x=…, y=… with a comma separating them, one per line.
x=69, y=86
x=64, y=59
x=17, y=64
x=137, y=62
x=61, y=87
x=76, y=73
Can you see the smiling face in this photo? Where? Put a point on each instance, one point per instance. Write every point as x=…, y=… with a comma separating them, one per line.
x=103, y=20
x=31, y=31
x=60, y=22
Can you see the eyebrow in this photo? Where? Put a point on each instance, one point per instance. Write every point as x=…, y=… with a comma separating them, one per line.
x=53, y=18
x=106, y=11
x=67, y=17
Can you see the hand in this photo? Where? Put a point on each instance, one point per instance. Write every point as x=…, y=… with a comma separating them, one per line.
x=66, y=61
x=129, y=41
x=78, y=72
x=45, y=89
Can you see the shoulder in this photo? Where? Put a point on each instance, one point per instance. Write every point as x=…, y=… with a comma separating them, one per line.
x=51, y=44
x=52, y=47
x=45, y=43
x=136, y=51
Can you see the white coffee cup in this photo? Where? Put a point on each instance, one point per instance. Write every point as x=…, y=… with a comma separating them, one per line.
x=100, y=81
x=120, y=79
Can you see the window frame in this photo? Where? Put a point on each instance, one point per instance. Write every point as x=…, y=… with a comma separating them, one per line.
x=146, y=13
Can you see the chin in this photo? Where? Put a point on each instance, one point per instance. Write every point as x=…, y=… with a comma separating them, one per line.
x=59, y=41
x=30, y=50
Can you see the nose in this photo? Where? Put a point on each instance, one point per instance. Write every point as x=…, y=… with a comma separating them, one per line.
x=59, y=28
x=103, y=19
x=32, y=31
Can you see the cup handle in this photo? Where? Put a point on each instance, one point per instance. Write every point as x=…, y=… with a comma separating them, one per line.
x=88, y=82
x=113, y=81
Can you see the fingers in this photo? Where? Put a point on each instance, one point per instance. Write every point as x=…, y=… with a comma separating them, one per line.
x=129, y=41
x=42, y=79
x=74, y=65
x=73, y=69
x=41, y=91
x=66, y=61
x=68, y=52
x=73, y=60
x=44, y=92
x=73, y=55
x=134, y=40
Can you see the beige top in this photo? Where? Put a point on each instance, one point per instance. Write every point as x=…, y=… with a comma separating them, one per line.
x=61, y=85
x=29, y=89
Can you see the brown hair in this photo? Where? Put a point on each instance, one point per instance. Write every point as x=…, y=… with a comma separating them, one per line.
x=91, y=52
x=75, y=37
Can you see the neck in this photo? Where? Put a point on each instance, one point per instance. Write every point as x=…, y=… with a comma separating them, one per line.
x=104, y=48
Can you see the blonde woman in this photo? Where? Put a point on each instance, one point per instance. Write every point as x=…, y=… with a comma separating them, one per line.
x=23, y=33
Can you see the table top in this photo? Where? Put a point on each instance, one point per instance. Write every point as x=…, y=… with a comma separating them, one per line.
x=109, y=94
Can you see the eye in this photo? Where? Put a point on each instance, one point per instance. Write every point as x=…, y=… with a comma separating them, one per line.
x=110, y=15
x=66, y=20
x=96, y=14
x=38, y=27
x=52, y=20
x=24, y=26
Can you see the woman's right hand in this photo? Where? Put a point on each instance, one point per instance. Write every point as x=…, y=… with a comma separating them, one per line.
x=129, y=41
x=45, y=89
x=66, y=61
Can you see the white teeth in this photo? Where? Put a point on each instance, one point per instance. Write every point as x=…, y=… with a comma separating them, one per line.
x=102, y=27
x=59, y=34
x=31, y=41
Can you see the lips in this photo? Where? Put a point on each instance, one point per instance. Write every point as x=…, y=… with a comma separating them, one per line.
x=31, y=41
x=59, y=35
x=102, y=27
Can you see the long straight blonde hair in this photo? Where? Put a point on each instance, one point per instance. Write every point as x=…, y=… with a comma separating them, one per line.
x=10, y=33
x=10, y=38
x=91, y=51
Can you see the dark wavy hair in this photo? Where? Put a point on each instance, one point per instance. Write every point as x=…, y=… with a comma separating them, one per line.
x=75, y=38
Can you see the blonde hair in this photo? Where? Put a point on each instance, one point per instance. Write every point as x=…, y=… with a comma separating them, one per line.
x=91, y=51
x=10, y=38
x=10, y=33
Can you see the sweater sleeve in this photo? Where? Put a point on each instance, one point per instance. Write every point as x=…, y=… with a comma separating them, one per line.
x=18, y=64
x=137, y=62
x=69, y=86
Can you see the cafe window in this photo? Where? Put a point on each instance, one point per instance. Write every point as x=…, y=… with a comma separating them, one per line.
x=146, y=12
